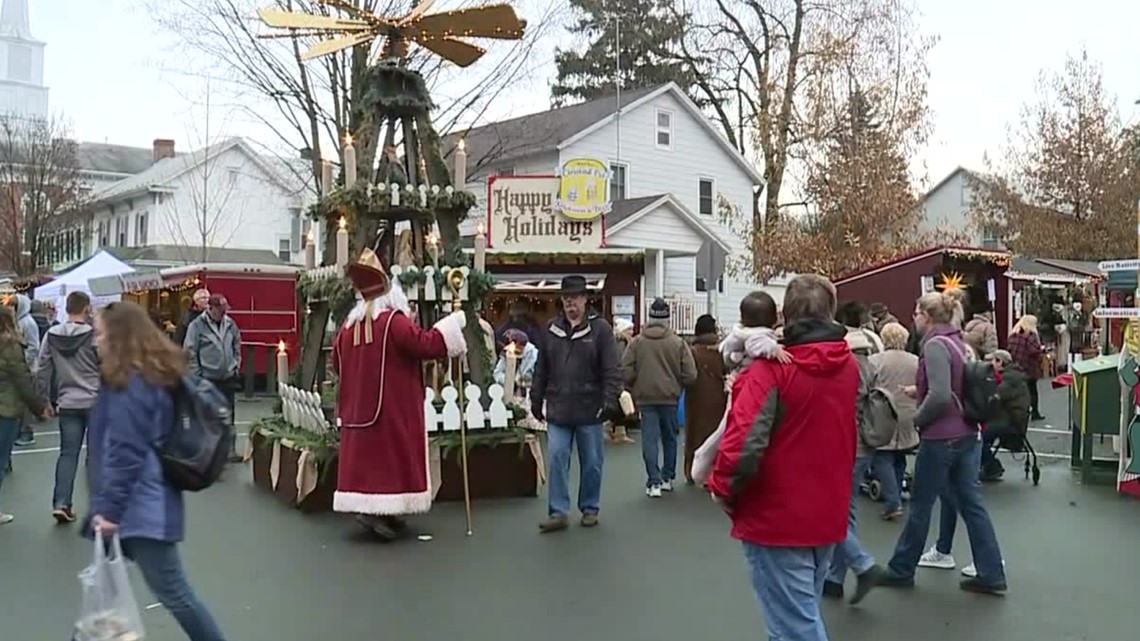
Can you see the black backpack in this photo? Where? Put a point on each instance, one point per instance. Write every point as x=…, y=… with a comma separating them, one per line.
x=195, y=452
x=980, y=400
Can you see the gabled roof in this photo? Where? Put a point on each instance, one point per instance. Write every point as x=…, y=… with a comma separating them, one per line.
x=556, y=129
x=113, y=159
x=626, y=212
x=160, y=174
x=170, y=255
x=976, y=175
x=998, y=257
x=1082, y=267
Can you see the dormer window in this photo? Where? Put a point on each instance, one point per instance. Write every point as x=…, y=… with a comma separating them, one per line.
x=664, y=133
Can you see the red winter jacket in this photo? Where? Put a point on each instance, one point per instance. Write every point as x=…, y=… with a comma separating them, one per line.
x=786, y=458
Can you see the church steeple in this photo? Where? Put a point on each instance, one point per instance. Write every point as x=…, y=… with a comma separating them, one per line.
x=14, y=20
x=22, y=90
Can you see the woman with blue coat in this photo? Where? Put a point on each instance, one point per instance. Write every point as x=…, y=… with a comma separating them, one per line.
x=130, y=495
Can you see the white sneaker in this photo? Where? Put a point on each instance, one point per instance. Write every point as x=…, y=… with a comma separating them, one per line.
x=971, y=570
x=5, y=518
x=667, y=486
x=653, y=492
x=935, y=559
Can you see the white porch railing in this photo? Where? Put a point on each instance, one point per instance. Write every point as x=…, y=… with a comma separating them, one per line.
x=684, y=312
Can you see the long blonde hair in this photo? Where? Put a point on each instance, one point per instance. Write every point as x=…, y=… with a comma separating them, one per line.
x=133, y=343
x=1026, y=324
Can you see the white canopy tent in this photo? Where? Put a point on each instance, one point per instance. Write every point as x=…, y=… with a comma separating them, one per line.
x=77, y=280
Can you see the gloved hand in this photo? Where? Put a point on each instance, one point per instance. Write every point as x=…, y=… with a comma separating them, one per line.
x=459, y=317
x=537, y=413
x=611, y=412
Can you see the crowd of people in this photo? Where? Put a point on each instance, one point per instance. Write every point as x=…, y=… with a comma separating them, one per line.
x=106, y=376
x=784, y=404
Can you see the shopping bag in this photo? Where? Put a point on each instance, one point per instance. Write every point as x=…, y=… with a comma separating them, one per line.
x=109, y=611
x=705, y=455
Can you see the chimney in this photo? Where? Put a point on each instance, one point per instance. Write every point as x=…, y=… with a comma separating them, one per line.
x=163, y=148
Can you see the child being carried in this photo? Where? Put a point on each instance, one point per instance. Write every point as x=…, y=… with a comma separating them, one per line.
x=754, y=337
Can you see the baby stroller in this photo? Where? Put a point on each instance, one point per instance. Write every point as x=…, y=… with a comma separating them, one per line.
x=872, y=488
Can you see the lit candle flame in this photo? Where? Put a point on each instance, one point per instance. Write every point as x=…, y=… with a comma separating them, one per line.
x=343, y=222
x=310, y=236
x=281, y=347
x=462, y=144
x=431, y=239
x=348, y=138
x=481, y=230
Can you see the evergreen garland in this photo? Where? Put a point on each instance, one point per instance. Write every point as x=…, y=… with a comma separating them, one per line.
x=374, y=202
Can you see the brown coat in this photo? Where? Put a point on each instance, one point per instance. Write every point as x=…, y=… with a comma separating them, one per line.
x=705, y=400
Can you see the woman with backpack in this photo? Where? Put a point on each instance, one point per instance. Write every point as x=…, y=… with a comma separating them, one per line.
x=130, y=495
x=17, y=392
x=949, y=451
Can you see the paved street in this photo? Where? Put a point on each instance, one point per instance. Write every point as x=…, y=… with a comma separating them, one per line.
x=662, y=570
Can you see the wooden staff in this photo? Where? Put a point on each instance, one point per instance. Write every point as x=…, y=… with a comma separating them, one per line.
x=456, y=280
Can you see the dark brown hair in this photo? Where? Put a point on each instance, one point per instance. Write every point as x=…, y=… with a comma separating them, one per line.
x=77, y=303
x=132, y=343
x=758, y=309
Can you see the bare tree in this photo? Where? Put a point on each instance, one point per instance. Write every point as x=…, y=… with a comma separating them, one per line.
x=775, y=73
x=209, y=212
x=42, y=199
x=1066, y=185
x=313, y=105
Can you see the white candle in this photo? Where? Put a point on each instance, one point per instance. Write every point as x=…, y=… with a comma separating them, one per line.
x=461, y=165
x=326, y=176
x=342, y=243
x=509, y=376
x=349, y=162
x=480, y=249
x=395, y=195
x=423, y=196
x=282, y=363
x=433, y=247
x=310, y=251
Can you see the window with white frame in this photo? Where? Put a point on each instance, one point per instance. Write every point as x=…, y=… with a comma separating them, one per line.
x=284, y=250
x=991, y=238
x=141, y=225
x=619, y=176
x=706, y=199
x=295, y=228
x=121, y=231
x=103, y=233
x=664, y=129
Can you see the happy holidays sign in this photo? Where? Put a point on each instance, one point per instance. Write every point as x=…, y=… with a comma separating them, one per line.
x=524, y=215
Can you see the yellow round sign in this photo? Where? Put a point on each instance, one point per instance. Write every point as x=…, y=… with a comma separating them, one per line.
x=584, y=191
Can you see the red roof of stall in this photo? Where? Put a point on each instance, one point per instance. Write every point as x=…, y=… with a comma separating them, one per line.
x=996, y=255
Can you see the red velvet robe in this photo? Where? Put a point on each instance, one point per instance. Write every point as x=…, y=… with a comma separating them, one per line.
x=383, y=462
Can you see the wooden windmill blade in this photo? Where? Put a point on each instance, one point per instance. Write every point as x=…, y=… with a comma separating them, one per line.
x=281, y=19
x=491, y=21
x=419, y=10
x=332, y=45
x=457, y=51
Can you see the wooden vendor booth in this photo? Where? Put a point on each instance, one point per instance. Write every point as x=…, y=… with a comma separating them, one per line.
x=900, y=282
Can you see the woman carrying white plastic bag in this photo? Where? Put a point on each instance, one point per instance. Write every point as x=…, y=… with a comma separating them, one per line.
x=109, y=611
x=130, y=496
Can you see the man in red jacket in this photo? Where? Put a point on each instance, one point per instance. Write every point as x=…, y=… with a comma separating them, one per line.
x=783, y=472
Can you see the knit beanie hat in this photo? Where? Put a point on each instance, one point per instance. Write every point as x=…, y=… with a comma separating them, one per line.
x=659, y=309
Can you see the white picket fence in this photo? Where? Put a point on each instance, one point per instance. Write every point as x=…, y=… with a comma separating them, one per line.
x=301, y=408
x=451, y=416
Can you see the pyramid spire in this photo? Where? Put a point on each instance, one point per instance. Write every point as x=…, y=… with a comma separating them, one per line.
x=14, y=20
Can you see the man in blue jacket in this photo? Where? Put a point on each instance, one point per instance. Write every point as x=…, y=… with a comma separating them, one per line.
x=577, y=383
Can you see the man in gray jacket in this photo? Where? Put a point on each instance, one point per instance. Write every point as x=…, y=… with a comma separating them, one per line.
x=213, y=342
x=68, y=357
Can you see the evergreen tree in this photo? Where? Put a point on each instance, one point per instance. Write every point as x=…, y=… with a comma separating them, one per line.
x=648, y=33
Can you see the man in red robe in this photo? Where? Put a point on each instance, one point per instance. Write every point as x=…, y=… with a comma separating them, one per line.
x=383, y=469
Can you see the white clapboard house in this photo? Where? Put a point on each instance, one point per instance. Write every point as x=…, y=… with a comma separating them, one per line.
x=669, y=166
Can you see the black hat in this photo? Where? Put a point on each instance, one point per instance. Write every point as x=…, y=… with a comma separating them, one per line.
x=659, y=309
x=573, y=284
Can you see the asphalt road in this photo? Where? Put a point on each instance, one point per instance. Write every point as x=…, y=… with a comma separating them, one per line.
x=660, y=570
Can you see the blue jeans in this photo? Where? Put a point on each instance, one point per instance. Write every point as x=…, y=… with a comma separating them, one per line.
x=659, y=423
x=947, y=522
x=72, y=430
x=789, y=584
x=951, y=467
x=850, y=553
x=884, y=465
x=591, y=455
x=161, y=567
x=9, y=430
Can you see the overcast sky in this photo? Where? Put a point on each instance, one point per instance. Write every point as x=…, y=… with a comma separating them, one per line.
x=109, y=69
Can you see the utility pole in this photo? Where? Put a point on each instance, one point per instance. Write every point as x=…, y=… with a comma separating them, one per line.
x=615, y=16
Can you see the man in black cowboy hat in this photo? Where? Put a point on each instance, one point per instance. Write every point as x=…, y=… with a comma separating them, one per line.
x=577, y=383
